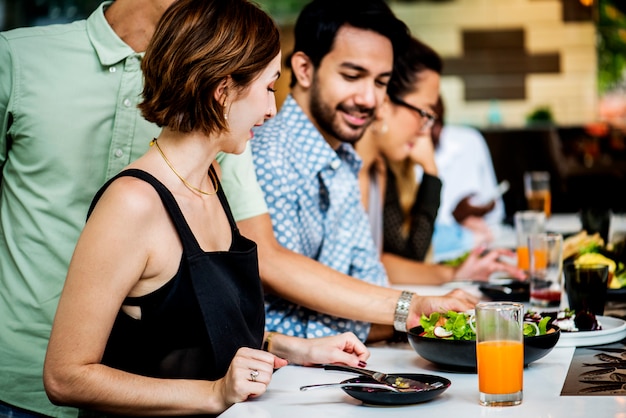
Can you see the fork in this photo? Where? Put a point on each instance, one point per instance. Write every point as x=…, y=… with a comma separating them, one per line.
x=387, y=379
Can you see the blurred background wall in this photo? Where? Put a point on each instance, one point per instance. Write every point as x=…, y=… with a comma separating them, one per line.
x=511, y=61
x=505, y=60
x=543, y=80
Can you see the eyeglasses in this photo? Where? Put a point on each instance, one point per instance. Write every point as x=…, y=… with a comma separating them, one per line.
x=427, y=119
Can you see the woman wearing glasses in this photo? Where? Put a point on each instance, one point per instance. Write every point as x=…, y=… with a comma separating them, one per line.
x=396, y=142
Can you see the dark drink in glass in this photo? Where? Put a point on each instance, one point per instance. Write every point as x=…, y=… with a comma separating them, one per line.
x=586, y=287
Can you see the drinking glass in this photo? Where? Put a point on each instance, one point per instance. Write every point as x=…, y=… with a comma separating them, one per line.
x=546, y=269
x=586, y=287
x=527, y=223
x=500, y=353
x=537, y=191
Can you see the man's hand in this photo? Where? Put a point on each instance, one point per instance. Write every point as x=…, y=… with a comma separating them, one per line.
x=457, y=300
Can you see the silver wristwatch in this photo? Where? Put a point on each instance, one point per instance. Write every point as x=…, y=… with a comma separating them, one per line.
x=402, y=310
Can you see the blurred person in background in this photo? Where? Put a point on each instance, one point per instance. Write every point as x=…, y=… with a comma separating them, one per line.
x=469, y=214
x=390, y=149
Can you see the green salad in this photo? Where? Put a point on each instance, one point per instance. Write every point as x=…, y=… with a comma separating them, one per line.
x=462, y=325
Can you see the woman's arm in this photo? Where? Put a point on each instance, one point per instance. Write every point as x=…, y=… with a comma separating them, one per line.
x=344, y=348
x=415, y=244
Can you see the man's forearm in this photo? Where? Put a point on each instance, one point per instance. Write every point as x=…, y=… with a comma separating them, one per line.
x=309, y=283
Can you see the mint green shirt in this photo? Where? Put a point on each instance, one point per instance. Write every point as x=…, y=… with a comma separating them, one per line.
x=68, y=122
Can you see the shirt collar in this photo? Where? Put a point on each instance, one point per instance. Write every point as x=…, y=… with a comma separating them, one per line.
x=109, y=47
x=320, y=156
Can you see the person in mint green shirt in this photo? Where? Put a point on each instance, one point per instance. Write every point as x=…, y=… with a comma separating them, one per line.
x=68, y=122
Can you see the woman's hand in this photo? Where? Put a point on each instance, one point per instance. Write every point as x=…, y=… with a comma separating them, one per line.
x=423, y=154
x=248, y=376
x=479, y=266
x=344, y=348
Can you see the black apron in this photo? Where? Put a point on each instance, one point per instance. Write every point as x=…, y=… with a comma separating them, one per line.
x=193, y=325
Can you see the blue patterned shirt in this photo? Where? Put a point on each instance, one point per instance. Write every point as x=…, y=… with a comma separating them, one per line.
x=313, y=197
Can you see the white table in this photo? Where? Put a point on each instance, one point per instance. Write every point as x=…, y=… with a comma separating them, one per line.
x=543, y=381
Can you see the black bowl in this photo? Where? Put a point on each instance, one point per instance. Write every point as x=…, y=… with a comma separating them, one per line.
x=461, y=354
x=375, y=396
x=510, y=290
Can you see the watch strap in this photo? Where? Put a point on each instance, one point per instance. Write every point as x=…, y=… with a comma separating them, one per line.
x=402, y=311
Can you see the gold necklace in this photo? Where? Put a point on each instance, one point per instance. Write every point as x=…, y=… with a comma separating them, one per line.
x=185, y=182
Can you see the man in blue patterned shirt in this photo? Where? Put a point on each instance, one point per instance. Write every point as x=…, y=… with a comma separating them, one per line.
x=305, y=161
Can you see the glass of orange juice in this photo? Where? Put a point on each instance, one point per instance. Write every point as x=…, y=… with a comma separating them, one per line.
x=500, y=353
x=537, y=191
x=527, y=223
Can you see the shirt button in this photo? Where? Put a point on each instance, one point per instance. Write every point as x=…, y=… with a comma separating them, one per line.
x=334, y=164
x=112, y=69
x=127, y=102
x=119, y=153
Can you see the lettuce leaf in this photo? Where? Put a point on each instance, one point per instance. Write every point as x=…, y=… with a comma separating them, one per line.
x=455, y=322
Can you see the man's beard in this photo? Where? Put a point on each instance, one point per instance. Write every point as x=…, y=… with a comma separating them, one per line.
x=325, y=117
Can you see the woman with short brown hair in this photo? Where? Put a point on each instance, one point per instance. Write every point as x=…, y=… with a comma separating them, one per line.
x=162, y=309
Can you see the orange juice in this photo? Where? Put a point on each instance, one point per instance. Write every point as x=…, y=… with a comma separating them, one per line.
x=500, y=366
x=523, y=258
x=540, y=200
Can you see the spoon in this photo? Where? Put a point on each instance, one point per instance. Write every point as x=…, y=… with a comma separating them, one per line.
x=396, y=381
x=383, y=386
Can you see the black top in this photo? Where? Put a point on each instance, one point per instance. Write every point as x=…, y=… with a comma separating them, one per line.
x=193, y=325
x=423, y=214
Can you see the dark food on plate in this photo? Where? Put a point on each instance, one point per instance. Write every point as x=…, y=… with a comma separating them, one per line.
x=567, y=320
x=387, y=397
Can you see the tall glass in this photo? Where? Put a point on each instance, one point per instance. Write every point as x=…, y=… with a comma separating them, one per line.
x=546, y=269
x=537, y=191
x=527, y=223
x=500, y=353
x=586, y=287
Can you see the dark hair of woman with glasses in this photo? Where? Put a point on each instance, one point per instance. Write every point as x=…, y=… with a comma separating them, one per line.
x=399, y=139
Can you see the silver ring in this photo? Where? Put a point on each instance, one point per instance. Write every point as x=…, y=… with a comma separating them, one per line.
x=254, y=374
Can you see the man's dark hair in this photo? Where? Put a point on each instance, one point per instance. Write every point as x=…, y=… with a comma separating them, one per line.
x=320, y=20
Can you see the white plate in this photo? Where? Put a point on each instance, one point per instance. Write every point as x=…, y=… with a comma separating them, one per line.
x=613, y=329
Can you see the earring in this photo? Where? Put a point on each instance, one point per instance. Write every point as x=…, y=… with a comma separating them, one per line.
x=225, y=116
